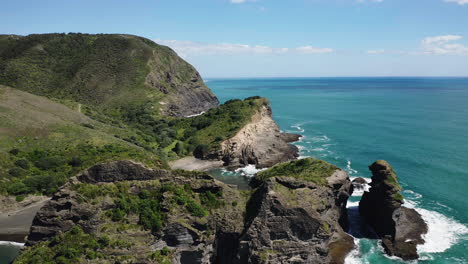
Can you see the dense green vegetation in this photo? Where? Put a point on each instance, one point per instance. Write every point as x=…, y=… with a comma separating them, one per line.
x=43, y=172
x=309, y=169
x=104, y=71
x=149, y=202
x=75, y=246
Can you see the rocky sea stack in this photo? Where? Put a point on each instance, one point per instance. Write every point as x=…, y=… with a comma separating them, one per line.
x=401, y=229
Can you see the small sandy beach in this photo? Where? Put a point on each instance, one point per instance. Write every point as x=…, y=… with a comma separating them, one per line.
x=192, y=163
x=15, y=224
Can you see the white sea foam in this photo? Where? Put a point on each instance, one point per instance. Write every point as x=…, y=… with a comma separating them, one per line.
x=365, y=187
x=349, y=169
x=249, y=170
x=354, y=257
x=11, y=243
x=352, y=204
x=323, y=138
x=298, y=127
x=443, y=232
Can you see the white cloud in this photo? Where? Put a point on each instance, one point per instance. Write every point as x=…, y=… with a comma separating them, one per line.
x=460, y=2
x=188, y=48
x=443, y=45
x=381, y=51
x=313, y=50
x=237, y=1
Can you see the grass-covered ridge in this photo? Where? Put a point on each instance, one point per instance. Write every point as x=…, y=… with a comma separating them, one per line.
x=308, y=169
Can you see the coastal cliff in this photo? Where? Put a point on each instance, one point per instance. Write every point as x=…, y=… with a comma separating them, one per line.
x=401, y=229
x=260, y=143
x=122, y=211
x=111, y=73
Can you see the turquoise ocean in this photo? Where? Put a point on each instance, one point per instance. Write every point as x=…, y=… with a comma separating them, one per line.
x=419, y=125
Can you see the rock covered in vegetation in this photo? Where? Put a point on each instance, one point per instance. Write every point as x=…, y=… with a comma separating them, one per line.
x=294, y=215
x=260, y=142
x=112, y=72
x=148, y=216
x=400, y=228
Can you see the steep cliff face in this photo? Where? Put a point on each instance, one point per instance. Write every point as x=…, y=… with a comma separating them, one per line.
x=295, y=221
x=400, y=228
x=113, y=73
x=179, y=224
x=260, y=142
x=122, y=211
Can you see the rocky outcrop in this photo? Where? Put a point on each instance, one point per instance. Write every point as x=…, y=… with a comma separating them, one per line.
x=185, y=92
x=286, y=219
x=260, y=143
x=400, y=228
x=291, y=220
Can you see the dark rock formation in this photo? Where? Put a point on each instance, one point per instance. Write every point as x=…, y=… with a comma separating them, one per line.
x=120, y=171
x=400, y=228
x=287, y=220
x=294, y=221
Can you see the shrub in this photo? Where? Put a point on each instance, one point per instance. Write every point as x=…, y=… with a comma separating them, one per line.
x=179, y=149
x=75, y=162
x=195, y=209
x=16, y=172
x=48, y=163
x=20, y=198
x=200, y=151
x=14, y=151
x=22, y=163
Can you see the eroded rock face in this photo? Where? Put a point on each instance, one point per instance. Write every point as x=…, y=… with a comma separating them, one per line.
x=293, y=221
x=400, y=228
x=183, y=98
x=287, y=220
x=260, y=143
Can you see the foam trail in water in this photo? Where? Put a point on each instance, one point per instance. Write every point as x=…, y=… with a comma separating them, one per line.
x=354, y=257
x=298, y=127
x=443, y=232
x=249, y=170
x=11, y=243
x=349, y=169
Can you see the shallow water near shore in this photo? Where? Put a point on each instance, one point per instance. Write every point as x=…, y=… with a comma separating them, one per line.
x=8, y=251
x=419, y=125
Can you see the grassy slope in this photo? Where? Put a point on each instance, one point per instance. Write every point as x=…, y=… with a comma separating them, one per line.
x=103, y=77
x=54, y=143
x=309, y=169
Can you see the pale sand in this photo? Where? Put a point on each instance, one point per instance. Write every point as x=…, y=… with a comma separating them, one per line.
x=192, y=163
x=15, y=225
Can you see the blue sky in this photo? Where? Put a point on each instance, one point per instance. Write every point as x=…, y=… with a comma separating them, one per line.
x=273, y=38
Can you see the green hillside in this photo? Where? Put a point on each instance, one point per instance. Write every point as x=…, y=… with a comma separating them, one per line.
x=43, y=143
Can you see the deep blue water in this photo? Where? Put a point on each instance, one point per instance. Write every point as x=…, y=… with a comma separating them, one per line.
x=419, y=125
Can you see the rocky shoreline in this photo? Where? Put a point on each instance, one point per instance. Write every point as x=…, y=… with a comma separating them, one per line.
x=286, y=219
